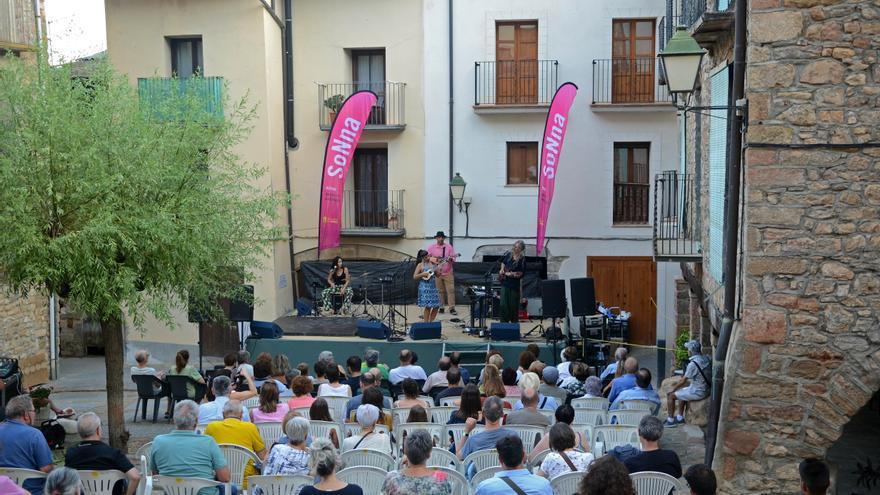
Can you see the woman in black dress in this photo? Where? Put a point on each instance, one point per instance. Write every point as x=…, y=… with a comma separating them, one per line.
x=512, y=268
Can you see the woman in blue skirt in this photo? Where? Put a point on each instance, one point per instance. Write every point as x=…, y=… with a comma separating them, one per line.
x=429, y=297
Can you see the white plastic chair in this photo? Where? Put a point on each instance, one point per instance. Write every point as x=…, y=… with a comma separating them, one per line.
x=590, y=403
x=279, y=485
x=399, y=415
x=145, y=487
x=481, y=459
x=251, y=403
x=350, y=429
x=304, y=412
x=654, y=483
x=337, y=407
x=482, y=475
x=369, y=478
x=144, y=451
x=638, y=404
x=536, y=462
x=613, y=436
x=19, y=475
x=450, y=401
x=442, y=458
x=99, y=482
x=586, y=432
x=270, y=431
x=322, y=429
x=436, y=431
x=568, y=483
x=549, y=414
x=528, y=434
x=589, y=416
x=457, y=480
x=441, y=414
x=457, y=431
x=174, y=485
x=627, y=417
x=237, y=458
x=367, y=457
x=426, y=398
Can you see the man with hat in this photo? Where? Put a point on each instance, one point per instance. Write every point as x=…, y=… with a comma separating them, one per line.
x=696, y=377
x=443, y=275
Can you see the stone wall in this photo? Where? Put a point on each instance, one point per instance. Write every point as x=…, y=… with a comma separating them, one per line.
x=807, y=355
x=24, y=327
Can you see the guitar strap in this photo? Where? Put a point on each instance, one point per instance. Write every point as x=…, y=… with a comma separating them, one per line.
x=513, y=486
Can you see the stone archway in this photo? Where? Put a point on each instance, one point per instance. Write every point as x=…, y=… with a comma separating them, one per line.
x=854, y=458
x=352, y=252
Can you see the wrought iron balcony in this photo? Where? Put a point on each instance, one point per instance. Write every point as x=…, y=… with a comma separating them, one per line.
x=629, y=81
x=388, y=113
x=704, y=18
x=631, y=203
x=373, y=213
x=509, y=84
x=676, y=218
x=17, y=29
x=208, y=92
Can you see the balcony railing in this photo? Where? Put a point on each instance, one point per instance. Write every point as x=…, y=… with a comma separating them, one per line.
x=702, y=17
x=515, y=82
x=17, y=28
x=373, y=212
x=206, y=91
x=388, y=113
x=633, y=81
x=676, y=217
x=631, y=203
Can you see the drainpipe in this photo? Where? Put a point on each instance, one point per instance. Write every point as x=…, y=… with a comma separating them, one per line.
x=290, y=140
x=731, y=228
x=451, y=126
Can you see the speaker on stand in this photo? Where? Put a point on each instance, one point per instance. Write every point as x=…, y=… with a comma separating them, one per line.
x=241, y=310
x=554, y=305
x=583, y=306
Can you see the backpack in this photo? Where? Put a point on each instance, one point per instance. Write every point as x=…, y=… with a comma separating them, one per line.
x=54, y=433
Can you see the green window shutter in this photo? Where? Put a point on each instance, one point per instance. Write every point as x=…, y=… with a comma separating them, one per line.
x=723, y=5
x=719, y=87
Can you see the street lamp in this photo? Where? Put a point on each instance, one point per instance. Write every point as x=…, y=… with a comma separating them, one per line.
x=456, y=188
x=681, y=62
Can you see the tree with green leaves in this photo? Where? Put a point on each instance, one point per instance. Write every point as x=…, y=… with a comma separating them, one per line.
x=124, y=205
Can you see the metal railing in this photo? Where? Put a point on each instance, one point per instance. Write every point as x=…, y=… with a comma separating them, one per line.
x=373, y=210
x=631, y=203
x=17, y=27
x=628, y=80
x=676, y=216
x=153, y=91
x=515, y=82
x=389, y=111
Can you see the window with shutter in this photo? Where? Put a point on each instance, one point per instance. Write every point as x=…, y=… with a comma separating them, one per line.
x=522, y=163
x=719, y=86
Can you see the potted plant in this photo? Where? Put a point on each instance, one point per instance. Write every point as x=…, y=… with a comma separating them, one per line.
x=681, y=353
x=333, y=103
x=40, y=396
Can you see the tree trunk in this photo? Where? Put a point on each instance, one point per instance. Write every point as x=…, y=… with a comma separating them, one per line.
x=114, y=354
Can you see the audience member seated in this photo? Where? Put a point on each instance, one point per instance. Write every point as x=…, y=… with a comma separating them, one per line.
x=283, y=438
x=270, y=409
x=213, y=411
x=564, y=414
x=642, y=391
x=607, y=476
x=415, y=477
x=625, y=381
x=243, y=358
x=263, y=373
x=537, y=367
x=569, y=354
x=323, y=463
x=652, y=457
x=575, y=385
x=455, y=363
x=333, y=387
x=492, y=384
x=469, y=406
x=493, y=409
x=550, y=386
x=526, y=358
x=453, y=377
x=593, y=387
x=93, y=454
x=536, y=351
x=610, y=371
x=438, y=378
x=374, y=396
x=64, y=481
x=292, y=457
x=815, y=477
x=701, y=480
x=406, y=369
x=182, y=368
x=8, y=487
x=514, y=477
x=304, y=370
x=371, y=360
x=302, y=392
x=696, y=377
x=280, y=368
x=417, y=414
x=531, y=381
x=509, y=377
x=528, y=414
x=23, y=445
x=410, y=389
x=141, y=358
x=564, y=458
x=320, y=368
x=368, y=380
x=367, y=416
x=320, y=411
x=235, y=431
x=354, y=374
x=185, y=453
x=494, y=358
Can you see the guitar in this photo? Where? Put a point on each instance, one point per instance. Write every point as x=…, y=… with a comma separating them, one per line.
x=442, y=262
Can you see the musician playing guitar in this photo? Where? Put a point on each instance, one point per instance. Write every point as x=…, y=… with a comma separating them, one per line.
x=429, y=298
x=444, y=277
x=512, y=268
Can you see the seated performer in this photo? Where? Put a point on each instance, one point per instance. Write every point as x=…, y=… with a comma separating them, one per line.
x=338, y=295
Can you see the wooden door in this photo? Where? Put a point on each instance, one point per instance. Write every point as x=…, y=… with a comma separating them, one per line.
x=631, y=284
x=516, y=63
x=633, y=60
x=371, y=187
x=218, y=339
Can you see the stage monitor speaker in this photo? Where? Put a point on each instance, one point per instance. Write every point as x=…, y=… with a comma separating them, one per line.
x=304, y=307
x=424, y=331
x=243, y=310
x=583, y=296
x=504, y=331
x=553, y=299
x=369, y=329
x=265, y=330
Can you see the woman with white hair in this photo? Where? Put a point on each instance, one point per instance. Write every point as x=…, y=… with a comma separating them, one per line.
x=367, y=416
x=696, y=377
x=531, y=380
x=63, y=481
x=416, y=477
x=513, y=266
x=292, y=457
x=324, y=463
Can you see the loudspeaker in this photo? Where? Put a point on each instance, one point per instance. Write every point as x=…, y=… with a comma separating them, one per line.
x=243, y=310
x=553, y=298
x=304, y=307
x=369, y=329
x=424, y=331
x=265, y=330
x=504, y=331
x=583, y=297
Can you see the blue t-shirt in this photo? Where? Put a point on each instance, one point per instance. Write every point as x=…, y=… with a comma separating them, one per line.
x=548, y=404
x=24, y=446
x=185, y=453
x=483, y=440
x=621, y=383
x=531, y=484
x=637, y=393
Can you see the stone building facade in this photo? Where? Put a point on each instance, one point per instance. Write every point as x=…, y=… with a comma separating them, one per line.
x=24, y=334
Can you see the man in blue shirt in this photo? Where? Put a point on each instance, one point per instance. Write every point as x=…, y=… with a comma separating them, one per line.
x=625, y=381
x=512, y=455
x=221, y=385
x=24, y=446
x=367, y=380
x=642, y=391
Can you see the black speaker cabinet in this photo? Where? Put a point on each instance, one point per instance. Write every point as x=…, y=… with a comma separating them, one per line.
x=243, y=310
x=553, y=298
x=583, y=297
